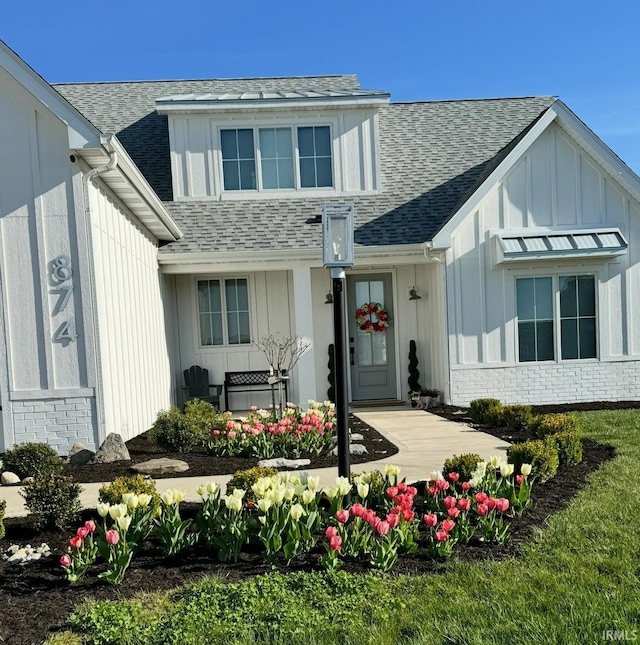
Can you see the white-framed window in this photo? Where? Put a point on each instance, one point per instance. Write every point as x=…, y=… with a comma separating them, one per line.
x=556, y=317
x=223, y=312
x=276, y=158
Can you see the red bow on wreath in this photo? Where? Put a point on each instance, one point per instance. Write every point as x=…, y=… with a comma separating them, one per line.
x=372, y=317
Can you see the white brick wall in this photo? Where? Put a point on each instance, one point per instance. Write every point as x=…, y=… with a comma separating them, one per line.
x=58, y=422
x=544, y=384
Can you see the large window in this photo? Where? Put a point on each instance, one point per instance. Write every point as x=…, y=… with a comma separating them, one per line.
x=551, y=308
x=223, y=307
x=289, y=158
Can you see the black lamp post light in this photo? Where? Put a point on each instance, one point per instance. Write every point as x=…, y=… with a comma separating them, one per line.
x=337, y=255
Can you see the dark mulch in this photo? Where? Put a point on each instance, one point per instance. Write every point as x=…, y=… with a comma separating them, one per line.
x=36, y=600
x=201, y=464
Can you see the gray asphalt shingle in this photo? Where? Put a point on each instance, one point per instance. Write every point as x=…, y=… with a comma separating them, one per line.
x=432, y=155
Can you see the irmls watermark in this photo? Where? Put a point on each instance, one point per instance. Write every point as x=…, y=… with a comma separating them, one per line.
x=620, y=635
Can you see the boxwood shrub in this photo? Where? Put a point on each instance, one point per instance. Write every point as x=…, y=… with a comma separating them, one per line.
x=245, y=479
x=569, y=447
x=486, y=412
x=31, y=459
x=542, y=454
x=547, y=424
x=464, y=465
x=53, y=500
x=112, y=493
x=174, y=432
x=517, y=417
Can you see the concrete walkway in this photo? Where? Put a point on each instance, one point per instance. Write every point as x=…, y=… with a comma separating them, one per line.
x=424, y=441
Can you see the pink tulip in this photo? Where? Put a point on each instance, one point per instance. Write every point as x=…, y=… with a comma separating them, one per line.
x=357, y=510
x=454, y=477
x=335, y=543
x=483, y=509
x=453, y=513
x=113, y=537
x=90, y=525
x=393, y=519
x=408, y=515
x=232, y=434
x=449, y=502
x=502, y=504
x=82, y=532
x=392, y=492
x=448, y=525
x=76, y=541
x=368, y=515
x=466, y=486
x=342, y=515
x=519, y=479
x=331, y=531
x=216, y=433
x=395, y=510
x=442, y=536
x=491, y=503
x=65, y=561
x=464, y=504
x=374, y=521
x=433, y=491
x=402, y=487
x=481, y=498
x=431, y=520
x=383, y=528
x=442, y=484
x=412, y=491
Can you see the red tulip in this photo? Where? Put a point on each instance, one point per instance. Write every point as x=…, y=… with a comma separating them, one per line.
x=433, y=491
x=402, y=487
x=464, y=504
x=113, y=537
x=331, y=531
x=448, y=525
x=483, y=509
x=466, y=486
x=335, y=543
x=453, y=513
x=90, y=525
x=442, y=536
x=449, y=502
x=454, y=477
x=431, y=520
x=368, y=515
x=374, y=521
x=408, y=515
x=481, y=498
x=383, y=528
x=76, y=541
x=65, y=561
x=519, y=479
x=342, y=516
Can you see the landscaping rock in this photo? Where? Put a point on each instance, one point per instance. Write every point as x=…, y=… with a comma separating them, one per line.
x=155, y=467
x=356, y=436
x=8, y=478
x=80, y=455
x=112, y=449
x=27, y=480
x=281, y=462
x=354, y=449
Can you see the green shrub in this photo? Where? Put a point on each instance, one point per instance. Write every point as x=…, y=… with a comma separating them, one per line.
x=414, y=373
x=3, y=508
x=203, y=418
x=517, y=417
x=31, y=459
x=245, y=479
x=172, y=431
x=486, y=412
x=569, y=447
x=464, y=465
x=541, y=454
x=112, y=493
x=53, y=500
x=547, y=424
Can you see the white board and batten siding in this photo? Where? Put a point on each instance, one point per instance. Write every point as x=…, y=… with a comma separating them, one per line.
x=196, y=157
x=556, y=184
x=134, y=360
x=46, y=388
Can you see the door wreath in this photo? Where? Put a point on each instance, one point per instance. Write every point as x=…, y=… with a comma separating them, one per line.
x=372, y=317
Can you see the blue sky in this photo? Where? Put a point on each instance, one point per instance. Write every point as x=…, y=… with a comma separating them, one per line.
x=586, y=52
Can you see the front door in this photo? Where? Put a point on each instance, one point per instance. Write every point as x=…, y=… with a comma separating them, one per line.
x=372, y=354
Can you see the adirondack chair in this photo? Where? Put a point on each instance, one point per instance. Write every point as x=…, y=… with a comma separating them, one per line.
x=196, y=380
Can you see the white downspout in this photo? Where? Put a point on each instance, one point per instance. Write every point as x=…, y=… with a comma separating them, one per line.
x=86, y=178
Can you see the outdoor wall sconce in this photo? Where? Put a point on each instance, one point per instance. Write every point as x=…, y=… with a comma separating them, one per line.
x=413, y=294
x=329, y=299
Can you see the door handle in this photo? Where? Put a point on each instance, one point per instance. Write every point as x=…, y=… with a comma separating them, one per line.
x=352, y=351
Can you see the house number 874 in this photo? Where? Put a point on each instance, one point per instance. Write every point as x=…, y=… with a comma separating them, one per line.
x=61, y=272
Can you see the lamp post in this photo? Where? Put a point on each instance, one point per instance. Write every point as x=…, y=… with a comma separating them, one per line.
x=338, y=254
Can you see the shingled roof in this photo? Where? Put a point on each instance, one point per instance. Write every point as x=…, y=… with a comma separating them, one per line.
x=433, y=156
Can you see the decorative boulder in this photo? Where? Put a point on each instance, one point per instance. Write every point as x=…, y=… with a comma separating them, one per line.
x=156, y=467
x=354, y=449
x=8, y=478
x=112, y=449
x=281, y=462
x=79, y=455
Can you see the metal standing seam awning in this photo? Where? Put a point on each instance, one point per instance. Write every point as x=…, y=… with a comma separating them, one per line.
x=568, y=244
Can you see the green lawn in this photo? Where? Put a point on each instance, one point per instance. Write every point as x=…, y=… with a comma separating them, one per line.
x=576, y=579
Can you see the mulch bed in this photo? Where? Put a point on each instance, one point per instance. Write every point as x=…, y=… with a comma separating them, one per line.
x=201, y=464
x=35, y=600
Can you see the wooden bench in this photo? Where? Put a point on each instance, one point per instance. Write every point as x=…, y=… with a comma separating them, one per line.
x=250, y=381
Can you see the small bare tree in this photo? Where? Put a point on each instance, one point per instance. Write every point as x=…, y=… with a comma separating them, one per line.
x=282, y=354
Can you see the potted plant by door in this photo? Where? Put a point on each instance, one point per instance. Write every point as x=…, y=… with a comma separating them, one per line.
x=429, y=397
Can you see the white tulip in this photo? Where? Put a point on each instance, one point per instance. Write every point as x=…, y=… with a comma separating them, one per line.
x=343, y=485
x=212, y=488
x=103, y=509
x=264, y=504
x=131, y=500
x=312, y=482
x=296, y=512
x=363, y=490
x=144, y=500
x=124, y=522
x=506, y=469
x=525, y=469
x=308, y=496
x=167, y=497
x=201, y=490
x=178, y=496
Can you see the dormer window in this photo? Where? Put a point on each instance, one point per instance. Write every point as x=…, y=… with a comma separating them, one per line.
x=289, y=158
